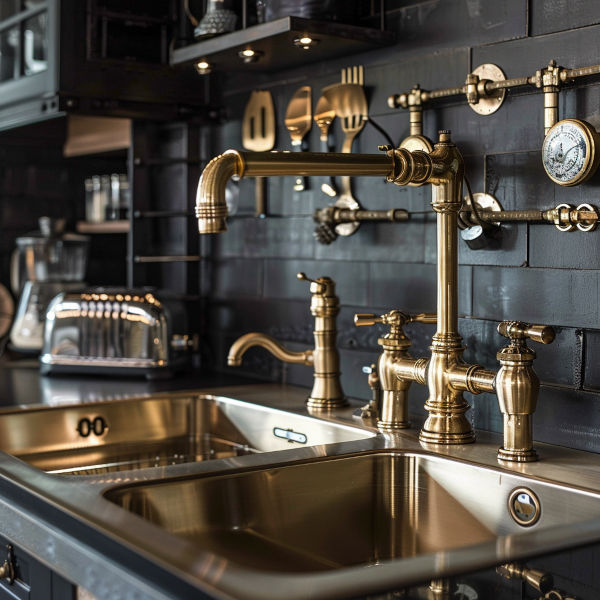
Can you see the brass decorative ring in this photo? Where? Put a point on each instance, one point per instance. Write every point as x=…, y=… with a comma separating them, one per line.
x=567, y=227
x=587, y=226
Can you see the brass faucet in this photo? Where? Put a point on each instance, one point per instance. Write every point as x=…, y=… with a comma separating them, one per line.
x=446, y=374
x=324, y=305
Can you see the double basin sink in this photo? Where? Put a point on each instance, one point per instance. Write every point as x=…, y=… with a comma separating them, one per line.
x=321, y=506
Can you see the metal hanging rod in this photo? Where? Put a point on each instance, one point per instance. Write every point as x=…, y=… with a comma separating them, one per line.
x=165, y=259
x=479, y=88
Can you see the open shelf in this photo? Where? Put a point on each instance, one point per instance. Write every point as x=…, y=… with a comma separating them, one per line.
x=275, y=41
x=121, y=226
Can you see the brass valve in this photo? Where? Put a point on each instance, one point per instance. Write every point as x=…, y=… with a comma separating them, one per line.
x=393, y=414
x=540, y=581
x=517, y=388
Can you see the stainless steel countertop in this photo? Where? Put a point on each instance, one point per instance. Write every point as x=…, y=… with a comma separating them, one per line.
x=21, y=384
x=67, y=523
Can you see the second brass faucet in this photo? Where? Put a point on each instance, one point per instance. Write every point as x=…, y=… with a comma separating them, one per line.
x=324, y=305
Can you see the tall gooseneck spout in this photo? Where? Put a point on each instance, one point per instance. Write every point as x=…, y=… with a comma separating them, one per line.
x=211, y=209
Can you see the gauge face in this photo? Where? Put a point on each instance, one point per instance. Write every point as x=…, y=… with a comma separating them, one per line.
x=568, y=152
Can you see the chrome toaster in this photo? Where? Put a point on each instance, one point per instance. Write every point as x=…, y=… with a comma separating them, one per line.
x=114, y=332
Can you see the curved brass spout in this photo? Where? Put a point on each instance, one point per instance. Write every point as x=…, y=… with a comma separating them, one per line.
x=239, y=347
x=211, y=209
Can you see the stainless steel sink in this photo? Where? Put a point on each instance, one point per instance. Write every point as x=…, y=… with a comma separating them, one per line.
x=148, y=432
x=349, y=511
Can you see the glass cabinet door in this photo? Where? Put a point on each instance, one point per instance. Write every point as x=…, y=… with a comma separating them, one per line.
x=23, y=38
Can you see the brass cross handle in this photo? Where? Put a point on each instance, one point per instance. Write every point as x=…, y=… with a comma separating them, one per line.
x=517, y=331
x=393, y=318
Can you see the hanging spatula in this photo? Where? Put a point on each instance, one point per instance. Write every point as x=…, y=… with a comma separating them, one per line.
x=298, y=121
x=258, y=135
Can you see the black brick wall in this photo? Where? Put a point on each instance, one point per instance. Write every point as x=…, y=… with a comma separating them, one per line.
x=537, y=274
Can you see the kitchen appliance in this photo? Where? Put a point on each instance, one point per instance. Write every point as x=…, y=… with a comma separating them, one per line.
x=45, y=263
x=118, y=332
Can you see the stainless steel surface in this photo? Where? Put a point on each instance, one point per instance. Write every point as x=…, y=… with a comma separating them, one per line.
x=106, y=437
x=375, y=507
x=322, y=489
x=120, y=330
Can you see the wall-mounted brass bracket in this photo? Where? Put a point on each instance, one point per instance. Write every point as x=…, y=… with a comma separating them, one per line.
x=481, y=100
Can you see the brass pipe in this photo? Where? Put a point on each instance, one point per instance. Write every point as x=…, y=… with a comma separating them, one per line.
x=211, y=209
x=488, y=87
x=249, y=340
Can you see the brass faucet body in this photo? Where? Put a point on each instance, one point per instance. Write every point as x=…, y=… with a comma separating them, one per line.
x=517, y=388
x=393, y=411
x=324, y=305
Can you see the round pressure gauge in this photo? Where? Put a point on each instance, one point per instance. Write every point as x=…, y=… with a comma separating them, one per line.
x=570, y=152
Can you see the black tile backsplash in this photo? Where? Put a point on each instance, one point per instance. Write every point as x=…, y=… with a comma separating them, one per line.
x=535, y=273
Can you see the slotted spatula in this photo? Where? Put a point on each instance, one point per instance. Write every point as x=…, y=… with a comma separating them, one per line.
x=298, y=121
x=258, y=135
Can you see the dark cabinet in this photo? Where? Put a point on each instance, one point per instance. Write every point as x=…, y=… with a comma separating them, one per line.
x=99, y=57
x=32, y=580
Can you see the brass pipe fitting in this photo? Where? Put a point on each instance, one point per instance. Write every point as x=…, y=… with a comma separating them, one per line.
x=549, y=80
x=517, y=388
x=540, y=581
x=327, y=391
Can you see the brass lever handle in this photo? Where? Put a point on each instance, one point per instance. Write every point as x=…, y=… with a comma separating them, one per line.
x=319, y=287
x=366, y=319
x=424, y=318
x=517, y=330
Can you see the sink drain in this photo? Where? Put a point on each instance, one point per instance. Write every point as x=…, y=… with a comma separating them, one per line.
x=524, y=507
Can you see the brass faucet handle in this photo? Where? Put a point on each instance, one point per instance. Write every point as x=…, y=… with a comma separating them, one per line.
x=323, y=286
x=366, y=319
x=518, y=331
x=424, y=318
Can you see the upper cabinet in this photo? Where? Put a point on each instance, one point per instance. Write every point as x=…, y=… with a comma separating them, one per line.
x=95, y=57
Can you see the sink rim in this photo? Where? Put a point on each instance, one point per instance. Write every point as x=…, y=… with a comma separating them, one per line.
x=83, y=503
x=350, y=581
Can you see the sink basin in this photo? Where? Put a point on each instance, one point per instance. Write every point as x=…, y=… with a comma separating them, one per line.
x=348, y=511
x=148, y=432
